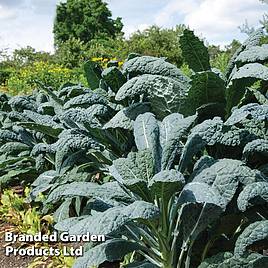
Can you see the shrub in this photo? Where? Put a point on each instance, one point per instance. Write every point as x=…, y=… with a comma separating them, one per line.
x=23, y=81
x=158, y=42
x=153, y=41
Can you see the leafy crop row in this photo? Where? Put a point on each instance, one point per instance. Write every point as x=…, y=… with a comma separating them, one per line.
x=171, y=168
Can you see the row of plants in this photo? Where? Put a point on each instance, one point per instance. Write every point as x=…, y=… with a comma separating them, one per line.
x=171, y=168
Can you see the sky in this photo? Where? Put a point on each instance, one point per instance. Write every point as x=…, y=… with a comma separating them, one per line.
x=30, y=22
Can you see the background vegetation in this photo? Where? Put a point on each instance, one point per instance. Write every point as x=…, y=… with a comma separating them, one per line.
x=92, y=33
x=76, y=135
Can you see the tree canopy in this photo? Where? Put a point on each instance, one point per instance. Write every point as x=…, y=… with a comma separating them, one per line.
x=84, y=20
x=158, y=42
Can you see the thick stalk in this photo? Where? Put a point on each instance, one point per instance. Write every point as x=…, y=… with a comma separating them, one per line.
x=149, y=258
x=181, y=257
x=163, y=248
x=174, y=241
x=188, y=257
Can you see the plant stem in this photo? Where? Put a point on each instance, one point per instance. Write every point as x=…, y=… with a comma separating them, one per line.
x=174, y=242
x=179, y=265
x=207, y=247
x=188, y=257
x=149, y=258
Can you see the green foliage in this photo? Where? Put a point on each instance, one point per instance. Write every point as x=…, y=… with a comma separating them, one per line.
x=240, y=74
x=153, y=41
x=28, y=55
x=220, y=62
x=24, y=80
x=194, y=52
x=158, y=42
x=177, y=205
x=93, y=74
x=84, y=20
x=108, y=48
x=53, y=261
x=219, y=59
x=71, y=53
x=26, y=219
x=83, y=122
x=140, y=157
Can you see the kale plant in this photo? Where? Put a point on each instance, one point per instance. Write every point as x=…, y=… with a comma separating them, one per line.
x=63, y=129
x=177, y=201
x=171, y=168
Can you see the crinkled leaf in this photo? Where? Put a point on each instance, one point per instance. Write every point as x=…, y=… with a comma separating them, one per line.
x=114, y=78
x=172, y=134
x=235, y=136
x=111, y=220
x=251, y=111
x=111, y=250
x=134, y=172
x=166, y=126
x=109, y=190
x=166, y=94
x=17, y=175
x=45, y=178
x=146, y=133
x=199, y=192
x=225, y=176
x=242, y=78
x=152, y=65
x=62, y=212
x=216, y=260
x=253, y=40
x=203, y=163
x=66, y=224
x=257, y=149
x=253, y=54
x=252, y=70
x=253, y=96
x=206, y=87
x=253, y=118
x=253, y=194
x=93, y=74
x=21, y=103
x=71, y=90
x=227, y=260
x=196, y=217
x=13, y=148
x=166, y=183
x=49, y=130
x=206, y=133
x=79, y=117
x=125, y=118
x=255, y=232
x=194, y=51
x=85, y=100
x=69, y=144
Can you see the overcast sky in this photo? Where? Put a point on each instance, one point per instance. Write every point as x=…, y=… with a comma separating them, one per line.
x=30, y=22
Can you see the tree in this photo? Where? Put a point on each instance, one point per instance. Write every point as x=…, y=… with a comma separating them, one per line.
x=84, y=20
x=219, y=58
x=246, y=28
x=27, y=55
x=158, y=42
x=71, y=53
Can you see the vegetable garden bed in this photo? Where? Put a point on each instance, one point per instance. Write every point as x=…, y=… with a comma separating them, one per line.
x=171, y=168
